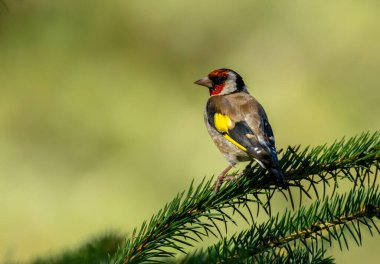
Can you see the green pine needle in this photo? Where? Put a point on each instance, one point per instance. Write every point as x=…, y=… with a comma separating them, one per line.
x=338, y=219
x=196, y=213
x=95, y=251
x=298, y=255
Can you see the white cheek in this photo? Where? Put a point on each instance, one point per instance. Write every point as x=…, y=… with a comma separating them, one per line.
x=229, y=87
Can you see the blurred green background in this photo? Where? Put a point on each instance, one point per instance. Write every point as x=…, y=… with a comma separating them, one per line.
x=100, y=123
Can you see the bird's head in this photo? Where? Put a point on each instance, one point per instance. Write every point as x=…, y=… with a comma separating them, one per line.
x=223, y=81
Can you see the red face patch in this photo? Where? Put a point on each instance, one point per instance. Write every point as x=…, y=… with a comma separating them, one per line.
x=216, y=89
x=218, y=77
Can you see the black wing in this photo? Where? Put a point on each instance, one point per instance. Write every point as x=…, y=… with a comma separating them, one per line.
x=241, y=135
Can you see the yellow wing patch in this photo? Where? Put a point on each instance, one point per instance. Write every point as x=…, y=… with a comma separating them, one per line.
x=222, y=124
x=226, y=136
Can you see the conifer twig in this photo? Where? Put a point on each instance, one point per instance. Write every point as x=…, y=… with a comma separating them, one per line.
x=330, y=220
x=195, y=214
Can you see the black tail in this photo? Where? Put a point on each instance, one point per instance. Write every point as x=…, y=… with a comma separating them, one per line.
x=279, y=177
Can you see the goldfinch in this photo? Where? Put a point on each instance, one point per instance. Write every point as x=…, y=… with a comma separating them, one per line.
x=238, y=125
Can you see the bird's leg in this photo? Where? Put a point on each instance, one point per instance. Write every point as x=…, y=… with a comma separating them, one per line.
x=221, y=177
x=234, y=178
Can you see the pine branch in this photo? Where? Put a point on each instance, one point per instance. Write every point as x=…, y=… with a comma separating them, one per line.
x=350, y=159
x=95, y=251
x=327, y=221
x=298, y=255
x=194, y=214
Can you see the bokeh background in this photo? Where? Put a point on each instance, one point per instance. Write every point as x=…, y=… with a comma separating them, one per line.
x=100, y=123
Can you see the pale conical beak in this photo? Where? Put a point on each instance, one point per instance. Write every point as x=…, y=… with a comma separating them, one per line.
x=204, y=82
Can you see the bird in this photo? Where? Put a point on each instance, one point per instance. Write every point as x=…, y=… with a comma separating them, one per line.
x=239, y=126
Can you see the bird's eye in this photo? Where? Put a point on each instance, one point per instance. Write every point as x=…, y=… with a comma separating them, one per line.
x=219, y=79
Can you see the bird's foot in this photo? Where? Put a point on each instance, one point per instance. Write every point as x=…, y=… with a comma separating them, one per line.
x=233, y=178
x=218, y=183
x=221, y=178
x=224, y=178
